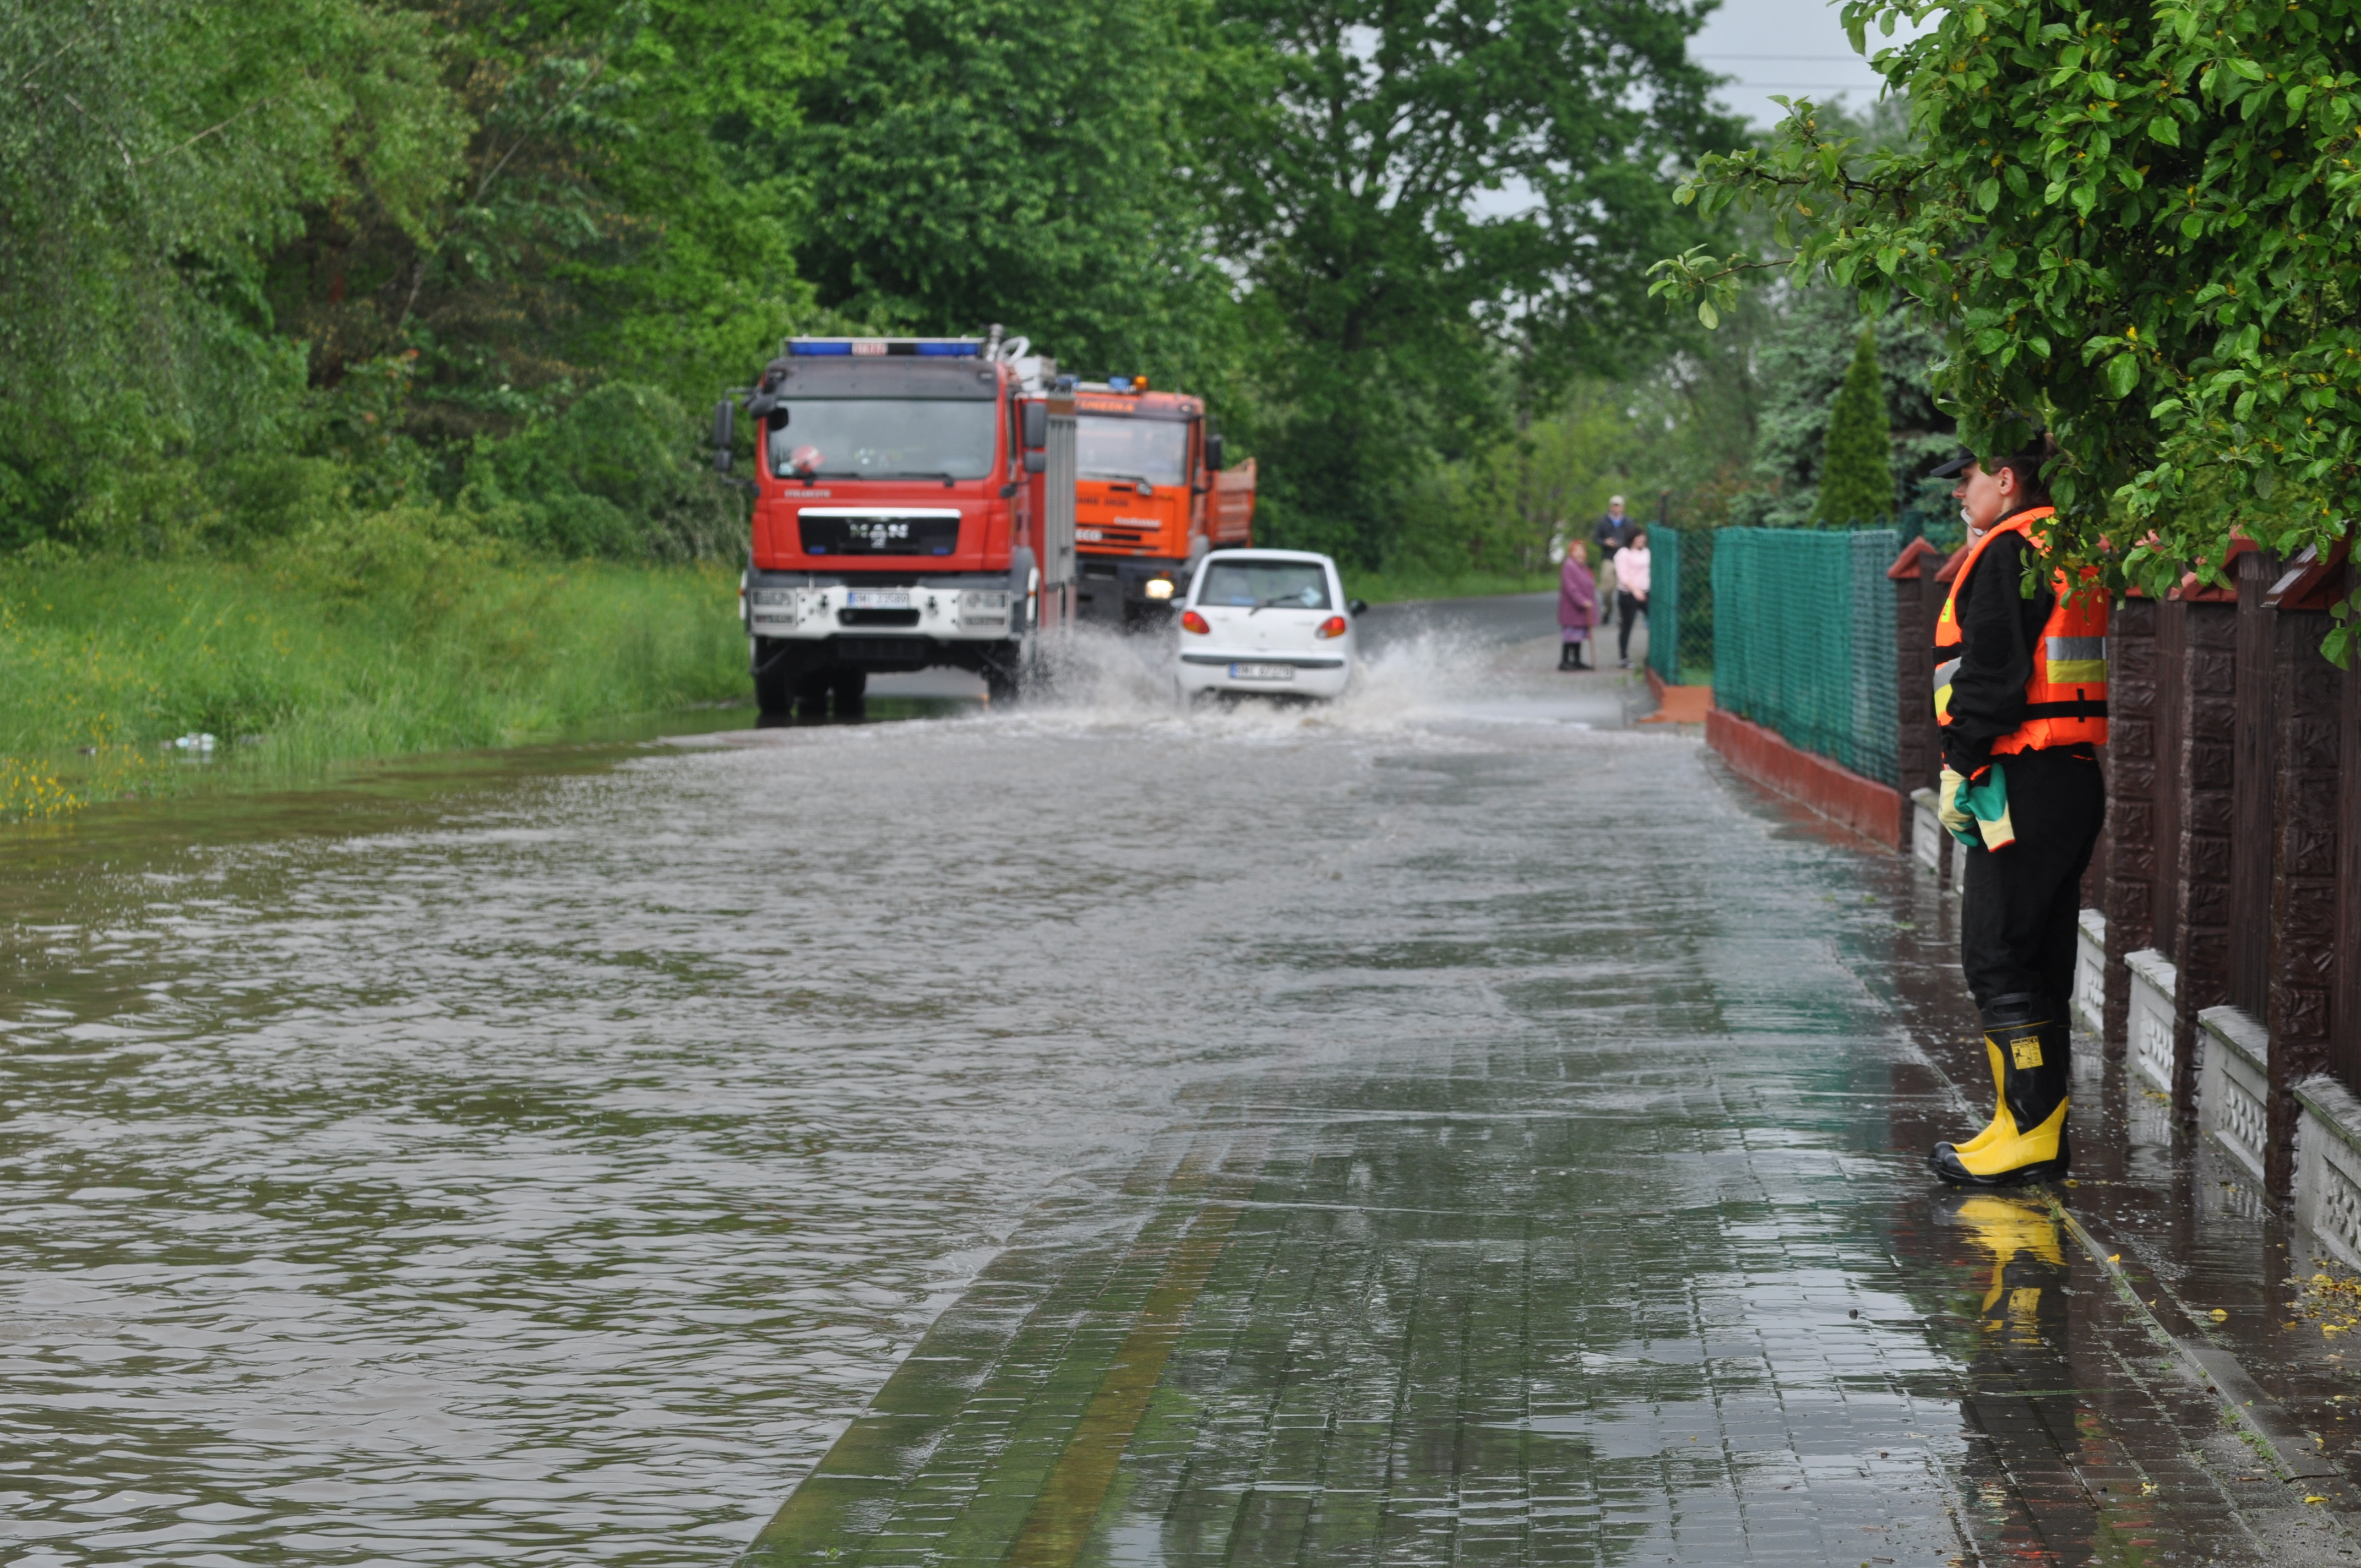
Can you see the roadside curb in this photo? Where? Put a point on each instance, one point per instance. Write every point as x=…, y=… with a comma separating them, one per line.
x=2246, y=1408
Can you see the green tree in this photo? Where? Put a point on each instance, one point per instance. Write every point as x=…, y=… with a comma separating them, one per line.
x=1427, y=205
x=1857, y=473
x=151, y=151
x=2136, y=223
x=1014, y=161
x=1806, y=351
x=624, y=207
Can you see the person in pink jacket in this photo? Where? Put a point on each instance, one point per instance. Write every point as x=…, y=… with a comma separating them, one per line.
x=1631, y=592
x=1577, y=605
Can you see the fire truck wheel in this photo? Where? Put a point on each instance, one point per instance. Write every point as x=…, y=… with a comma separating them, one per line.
x=1000, y=669
x=849, y=690
x=775, y=693
x=811, y=697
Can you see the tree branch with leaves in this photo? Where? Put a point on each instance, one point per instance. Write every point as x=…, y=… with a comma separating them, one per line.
x=2135, y=223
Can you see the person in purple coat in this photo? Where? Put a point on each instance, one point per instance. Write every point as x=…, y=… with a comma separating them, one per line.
x=1577, y=605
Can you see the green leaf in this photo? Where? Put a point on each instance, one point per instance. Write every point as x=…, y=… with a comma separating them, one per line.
x=2122, y=375
x=2165, y=128
x=2245, y=67
x=1708, y=314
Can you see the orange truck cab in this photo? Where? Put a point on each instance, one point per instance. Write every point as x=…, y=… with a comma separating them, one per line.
x=900, y=520
x=1151, y=497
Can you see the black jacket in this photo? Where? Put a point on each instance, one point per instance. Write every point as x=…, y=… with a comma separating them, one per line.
x=1999, y=628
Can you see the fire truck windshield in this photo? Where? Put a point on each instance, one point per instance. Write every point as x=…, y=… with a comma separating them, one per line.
x=884, y=438
x=1114, y=447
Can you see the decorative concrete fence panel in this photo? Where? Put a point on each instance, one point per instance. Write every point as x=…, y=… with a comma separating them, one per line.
x=2154, y=985
x=2234, y=1088
x=2090, y=971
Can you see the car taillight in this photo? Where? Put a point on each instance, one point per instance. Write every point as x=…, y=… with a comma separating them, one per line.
x=1334, y=626
x=1191, y=622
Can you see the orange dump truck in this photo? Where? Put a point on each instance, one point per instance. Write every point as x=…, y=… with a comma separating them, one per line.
x=1151, y=497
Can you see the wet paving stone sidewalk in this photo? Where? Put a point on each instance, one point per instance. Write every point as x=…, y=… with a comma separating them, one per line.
x=1620, y=1248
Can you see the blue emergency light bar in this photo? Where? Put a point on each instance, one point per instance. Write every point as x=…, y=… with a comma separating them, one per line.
x=923, y=347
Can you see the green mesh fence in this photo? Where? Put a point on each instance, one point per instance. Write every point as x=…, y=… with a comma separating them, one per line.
x=1680, y=604
x=1803, y=639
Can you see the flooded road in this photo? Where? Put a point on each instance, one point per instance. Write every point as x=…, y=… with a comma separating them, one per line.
x=540, y=1159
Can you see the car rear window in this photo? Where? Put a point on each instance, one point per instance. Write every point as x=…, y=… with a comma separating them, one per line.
x=1289, y=585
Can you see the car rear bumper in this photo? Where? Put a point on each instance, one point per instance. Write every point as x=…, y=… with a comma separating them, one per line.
x=1314, y=674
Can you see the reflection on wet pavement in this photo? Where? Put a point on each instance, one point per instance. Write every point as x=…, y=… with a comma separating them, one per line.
x=1440, y=1127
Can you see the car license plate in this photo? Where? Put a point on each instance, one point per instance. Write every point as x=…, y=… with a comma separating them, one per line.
x=877, y=599
x=1262, y=672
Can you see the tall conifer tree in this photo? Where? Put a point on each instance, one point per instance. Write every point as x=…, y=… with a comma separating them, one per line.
x=1857, y=477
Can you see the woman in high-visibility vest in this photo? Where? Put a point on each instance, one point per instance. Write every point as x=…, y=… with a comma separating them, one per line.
x=2021, y=695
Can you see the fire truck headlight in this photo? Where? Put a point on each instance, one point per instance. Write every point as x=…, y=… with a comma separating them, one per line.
x=1158, y=588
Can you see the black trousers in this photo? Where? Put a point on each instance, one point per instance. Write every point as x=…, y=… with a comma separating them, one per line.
x=2019, y=905
x=1628, y=609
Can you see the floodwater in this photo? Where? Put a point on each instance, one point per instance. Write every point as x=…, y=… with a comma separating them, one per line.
x=539, y=1158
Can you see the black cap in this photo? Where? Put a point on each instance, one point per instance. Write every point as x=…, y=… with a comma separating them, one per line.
x=2037, y=449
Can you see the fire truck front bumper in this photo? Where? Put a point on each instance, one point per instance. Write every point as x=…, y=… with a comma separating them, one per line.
x=817, y=614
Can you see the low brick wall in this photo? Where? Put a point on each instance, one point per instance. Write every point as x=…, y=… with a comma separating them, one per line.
x=1677, y=704
x=1870, y=809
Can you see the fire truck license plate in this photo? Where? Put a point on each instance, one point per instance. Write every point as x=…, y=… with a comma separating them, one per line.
x=877, y=599
x=1262, y=672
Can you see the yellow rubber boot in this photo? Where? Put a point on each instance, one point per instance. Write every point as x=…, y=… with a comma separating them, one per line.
x=2027, y=1140
x=2021, y=1011
x=2000, y=1106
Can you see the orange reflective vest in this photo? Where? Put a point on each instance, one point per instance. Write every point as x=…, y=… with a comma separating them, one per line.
x=2066, y=696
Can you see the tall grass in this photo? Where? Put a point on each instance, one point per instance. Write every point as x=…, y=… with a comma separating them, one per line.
x=356, y=645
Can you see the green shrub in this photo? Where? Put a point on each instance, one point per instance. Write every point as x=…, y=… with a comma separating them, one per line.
x=615, y=476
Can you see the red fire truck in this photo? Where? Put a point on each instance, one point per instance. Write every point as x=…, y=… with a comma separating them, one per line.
x=1152, y=497
x=906, y=514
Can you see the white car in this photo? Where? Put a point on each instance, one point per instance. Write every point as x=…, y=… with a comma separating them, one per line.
x=1272, y=622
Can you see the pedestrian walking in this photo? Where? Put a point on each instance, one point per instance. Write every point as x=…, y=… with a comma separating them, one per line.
x=1614, y=530
x=1577, y=605
x=2021, y=698
x=1631, y=592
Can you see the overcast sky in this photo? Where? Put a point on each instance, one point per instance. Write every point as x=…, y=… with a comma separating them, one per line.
x=1794, y=47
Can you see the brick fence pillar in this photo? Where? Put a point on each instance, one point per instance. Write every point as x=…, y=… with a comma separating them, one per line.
x=2344, y=1009
x=1919, y=747
x=2129, y=900
x=2196, y=700
x=2308, y=694
x=2254, y=763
